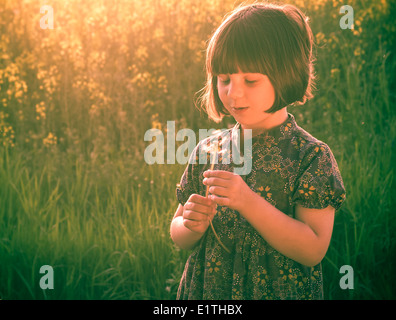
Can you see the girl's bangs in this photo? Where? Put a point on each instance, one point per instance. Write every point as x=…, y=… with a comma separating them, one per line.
x=237, y=49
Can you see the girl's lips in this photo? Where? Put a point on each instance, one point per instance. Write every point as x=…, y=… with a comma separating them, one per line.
x=239, y=110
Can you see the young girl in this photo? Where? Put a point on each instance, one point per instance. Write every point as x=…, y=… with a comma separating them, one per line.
x=273, y=225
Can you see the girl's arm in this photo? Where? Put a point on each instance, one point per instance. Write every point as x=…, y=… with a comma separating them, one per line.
x=191, y=221
x=304, y=239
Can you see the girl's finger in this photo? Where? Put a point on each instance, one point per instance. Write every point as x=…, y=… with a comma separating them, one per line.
x=205, y=209
x=197, y=198
x=219, y=174
x=218, y=191
x=195, y=216
x=221, y=201
x=191, y=223
x=216, y=182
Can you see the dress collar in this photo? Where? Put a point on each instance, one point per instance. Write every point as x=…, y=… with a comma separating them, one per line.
x=282, y=131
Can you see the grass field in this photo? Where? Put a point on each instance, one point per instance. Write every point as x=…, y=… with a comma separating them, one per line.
x=76, y=100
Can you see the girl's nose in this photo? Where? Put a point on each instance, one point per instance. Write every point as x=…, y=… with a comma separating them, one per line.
x=235, y=91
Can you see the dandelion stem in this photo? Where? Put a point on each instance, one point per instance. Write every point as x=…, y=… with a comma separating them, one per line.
x=213, y=158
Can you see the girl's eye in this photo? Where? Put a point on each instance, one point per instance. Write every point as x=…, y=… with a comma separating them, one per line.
x=250, y=81
x=225, y=80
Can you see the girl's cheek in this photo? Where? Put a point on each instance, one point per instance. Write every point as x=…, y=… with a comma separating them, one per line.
x=221, y=94
x=222, y=91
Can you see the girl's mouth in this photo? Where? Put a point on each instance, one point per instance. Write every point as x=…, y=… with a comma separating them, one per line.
x=239, y=110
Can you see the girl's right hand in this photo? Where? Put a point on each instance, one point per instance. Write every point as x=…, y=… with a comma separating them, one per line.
x=197, y=212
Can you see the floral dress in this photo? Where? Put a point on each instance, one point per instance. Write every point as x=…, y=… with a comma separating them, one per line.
x=289, y=167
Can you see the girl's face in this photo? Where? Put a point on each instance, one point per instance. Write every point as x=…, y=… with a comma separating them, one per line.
x=247, y=97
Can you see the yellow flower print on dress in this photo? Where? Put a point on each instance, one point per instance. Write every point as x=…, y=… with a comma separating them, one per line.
x=262, y=277
x=288, y=126
x=213, y=265
x=269, y=159
x=307, y=190
x=319, y=172
x=269, y=141
x=265, y=192
x=299, y=143
x=321, y=148
x=268, y=194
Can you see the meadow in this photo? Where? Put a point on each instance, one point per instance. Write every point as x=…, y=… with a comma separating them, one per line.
x=76, y=100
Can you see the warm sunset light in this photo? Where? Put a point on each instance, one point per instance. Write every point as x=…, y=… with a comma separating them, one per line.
x=90, y=90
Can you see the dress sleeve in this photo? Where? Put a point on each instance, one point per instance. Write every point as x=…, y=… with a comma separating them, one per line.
x=190, y=180
x=320, y=183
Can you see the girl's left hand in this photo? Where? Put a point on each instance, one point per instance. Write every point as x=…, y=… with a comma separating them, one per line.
x=227, y=188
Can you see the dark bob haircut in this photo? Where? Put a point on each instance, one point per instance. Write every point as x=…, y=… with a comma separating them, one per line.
x=274, y=40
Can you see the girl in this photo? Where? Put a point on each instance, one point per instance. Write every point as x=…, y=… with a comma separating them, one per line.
x=273, y=224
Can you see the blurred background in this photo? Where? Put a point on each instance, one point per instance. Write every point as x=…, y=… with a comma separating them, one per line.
x=76, y=100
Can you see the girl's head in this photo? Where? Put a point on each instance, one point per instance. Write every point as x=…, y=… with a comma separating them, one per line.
x=272, y=40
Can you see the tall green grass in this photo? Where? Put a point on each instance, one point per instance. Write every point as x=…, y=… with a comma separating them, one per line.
x=363, y=140
x=104, y=241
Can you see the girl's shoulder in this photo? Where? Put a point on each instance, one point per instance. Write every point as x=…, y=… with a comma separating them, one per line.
x=315, y=155
x=307, y=143
x=319, y=181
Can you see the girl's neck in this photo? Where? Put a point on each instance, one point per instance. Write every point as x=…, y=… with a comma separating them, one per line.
x=274, y=120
